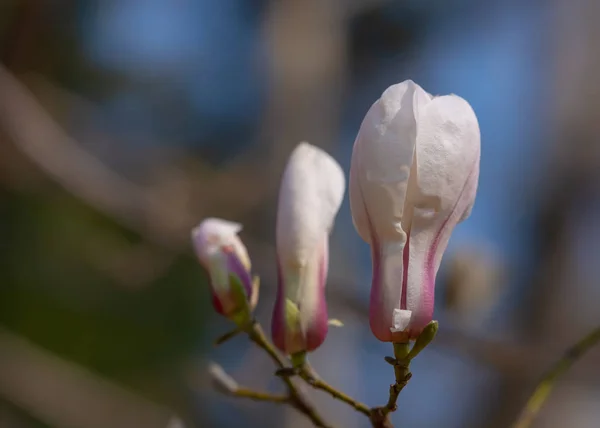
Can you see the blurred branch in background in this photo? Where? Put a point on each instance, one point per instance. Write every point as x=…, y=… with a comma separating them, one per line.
x=307, y=41
x=64, y=395
x=144, y=209
x=473, y=281
x=569, y=185
x=151, y=211
x=541, y=393
x=227, y=385
x=508, y=358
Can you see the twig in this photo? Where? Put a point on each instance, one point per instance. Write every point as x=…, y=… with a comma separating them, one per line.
x=401, y=362
x=228, y=336
x=45, y=143
x=403, y=355
x=308, y=374
x=503, y=356
x=229, y=386
x=261, y=396
x=541, y=393
x=297, y=398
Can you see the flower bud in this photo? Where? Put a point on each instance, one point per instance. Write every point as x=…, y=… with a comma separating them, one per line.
x=226, y=260
x=414, y=173
x=310, y=196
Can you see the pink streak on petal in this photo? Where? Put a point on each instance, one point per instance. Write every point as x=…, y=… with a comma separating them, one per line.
x=236, y=266
x=378, y=321
x=317, y=330
x=425, y=313
x=217, y=303
x=223, y=304
x=278, y=319
x=405, y=258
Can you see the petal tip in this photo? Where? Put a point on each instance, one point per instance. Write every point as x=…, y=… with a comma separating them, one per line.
x=401, y=320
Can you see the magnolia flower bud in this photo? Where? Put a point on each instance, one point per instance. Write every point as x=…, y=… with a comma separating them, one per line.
x=415, y=166
x=311, y=192
x=224, y=256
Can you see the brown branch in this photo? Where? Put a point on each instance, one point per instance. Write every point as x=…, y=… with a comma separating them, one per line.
x=41, y=140
x=309, y=375
x=228, y=385
x=297, y=397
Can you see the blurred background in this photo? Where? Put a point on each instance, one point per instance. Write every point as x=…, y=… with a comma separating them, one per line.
x=123, y=123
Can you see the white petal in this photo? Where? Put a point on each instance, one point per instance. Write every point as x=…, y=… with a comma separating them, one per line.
x=421, y=99
x=312, y=189
x=381, y=187
x=447, y=158
x=312, y=285
x=401, y=320
x=448, y=147
x=218, y=225
x=382, y=159
x=214, y=233
x=357, y=201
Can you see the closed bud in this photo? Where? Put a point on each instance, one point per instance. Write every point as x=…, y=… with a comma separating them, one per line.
x=310, y=196
x=414, y=173
x=224, y=256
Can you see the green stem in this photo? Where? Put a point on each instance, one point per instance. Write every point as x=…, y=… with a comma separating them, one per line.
x=541, y=393
x=402, y=375
x=257, y=335
x=297, y=398
x=379, y=416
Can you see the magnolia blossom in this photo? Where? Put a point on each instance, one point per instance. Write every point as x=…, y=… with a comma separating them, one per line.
x=224, y=256
x=311, y=192
x=414, y=173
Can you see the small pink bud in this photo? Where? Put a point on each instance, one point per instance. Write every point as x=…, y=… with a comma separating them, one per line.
x=414, y=173
x=226, y=260
x=310, y=196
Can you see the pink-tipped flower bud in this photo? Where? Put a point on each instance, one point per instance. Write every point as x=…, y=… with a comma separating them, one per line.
x=224, y=256
x=414, y=173
x=310, y=196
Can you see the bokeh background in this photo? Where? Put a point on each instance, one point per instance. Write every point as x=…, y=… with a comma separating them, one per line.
x=123, y=123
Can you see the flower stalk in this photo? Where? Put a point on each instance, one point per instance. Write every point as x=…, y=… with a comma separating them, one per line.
x=403, y=355
x=296, y=397
x=402, y=375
